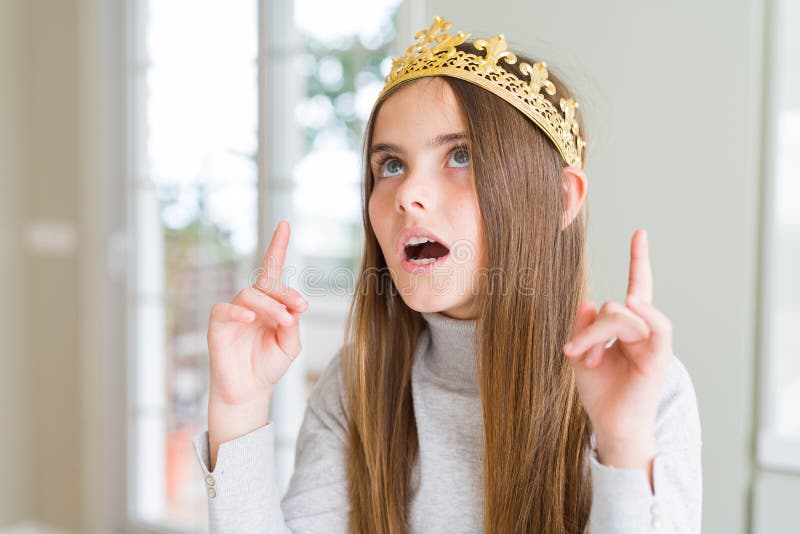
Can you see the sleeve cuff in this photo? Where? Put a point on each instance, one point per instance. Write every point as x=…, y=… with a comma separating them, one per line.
x=622, y=501
x=244, y=465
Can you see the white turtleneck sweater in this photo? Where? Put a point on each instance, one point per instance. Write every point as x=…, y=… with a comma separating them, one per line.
x=446, y=480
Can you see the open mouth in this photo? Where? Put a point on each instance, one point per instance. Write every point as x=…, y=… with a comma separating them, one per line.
x=423, y=250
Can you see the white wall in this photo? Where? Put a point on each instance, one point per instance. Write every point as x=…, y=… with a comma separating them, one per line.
x=15, y=498
x=671, y=92
x=39, y=314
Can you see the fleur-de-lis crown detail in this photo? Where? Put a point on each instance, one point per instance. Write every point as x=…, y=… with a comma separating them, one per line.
x=435, y=53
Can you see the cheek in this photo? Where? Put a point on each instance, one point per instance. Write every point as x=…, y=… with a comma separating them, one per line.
x=378, y=211
x=370, y=204
x=374, y=208
x=472, y=219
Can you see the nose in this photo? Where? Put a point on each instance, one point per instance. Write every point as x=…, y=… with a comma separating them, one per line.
x=413, y=194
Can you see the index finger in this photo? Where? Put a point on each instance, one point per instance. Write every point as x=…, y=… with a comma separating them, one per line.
x=640, y=277
x=272, y=264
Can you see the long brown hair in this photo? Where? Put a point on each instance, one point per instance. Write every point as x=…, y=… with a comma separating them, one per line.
x=536, y=432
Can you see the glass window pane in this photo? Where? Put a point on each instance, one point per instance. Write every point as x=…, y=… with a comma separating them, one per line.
x=341, y=67
x=195, y=209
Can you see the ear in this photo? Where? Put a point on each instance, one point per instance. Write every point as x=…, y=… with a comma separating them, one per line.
x=574, y=185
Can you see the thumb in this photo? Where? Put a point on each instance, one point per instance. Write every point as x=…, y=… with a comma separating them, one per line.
x=288, y=336
x=586, y=315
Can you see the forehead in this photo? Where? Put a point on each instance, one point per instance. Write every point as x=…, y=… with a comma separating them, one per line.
x=418, y=111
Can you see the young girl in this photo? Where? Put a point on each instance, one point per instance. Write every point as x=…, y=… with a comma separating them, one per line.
x=478, y=389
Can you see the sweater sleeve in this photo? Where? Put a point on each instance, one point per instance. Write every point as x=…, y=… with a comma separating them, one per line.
x=242, y=492
x=623, y=502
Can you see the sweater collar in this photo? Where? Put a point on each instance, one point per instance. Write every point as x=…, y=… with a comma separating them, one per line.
x=451, y=351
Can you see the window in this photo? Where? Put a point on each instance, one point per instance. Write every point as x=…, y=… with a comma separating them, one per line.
x=779, y=440
x=193, y=191
x=240, y=114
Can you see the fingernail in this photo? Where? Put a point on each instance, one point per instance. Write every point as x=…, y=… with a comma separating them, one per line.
x=633, y=300
x=569, y=346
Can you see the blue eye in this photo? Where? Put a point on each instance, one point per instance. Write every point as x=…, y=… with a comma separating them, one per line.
x=459, y=157
x=391, y=167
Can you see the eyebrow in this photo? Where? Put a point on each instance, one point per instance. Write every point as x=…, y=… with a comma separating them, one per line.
x=437, y=141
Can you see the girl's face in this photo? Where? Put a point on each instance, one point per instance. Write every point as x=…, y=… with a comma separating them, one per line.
x=423, y=187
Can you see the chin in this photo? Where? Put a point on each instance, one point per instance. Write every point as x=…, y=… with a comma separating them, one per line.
x=432, y=303
x=420, y=293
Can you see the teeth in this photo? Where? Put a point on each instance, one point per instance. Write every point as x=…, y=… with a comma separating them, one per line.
x=418, y=240
x=423, y=261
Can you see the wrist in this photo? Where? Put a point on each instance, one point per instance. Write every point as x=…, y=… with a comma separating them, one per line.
x=257, y=402
x=227, y=422
x=627, y=453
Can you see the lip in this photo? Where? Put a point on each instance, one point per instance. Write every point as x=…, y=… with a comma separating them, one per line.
x=404, y=236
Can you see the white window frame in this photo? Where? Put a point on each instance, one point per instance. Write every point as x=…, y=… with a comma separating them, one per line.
x=775, y=451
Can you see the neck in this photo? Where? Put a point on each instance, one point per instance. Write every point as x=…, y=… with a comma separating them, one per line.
x=451, y=351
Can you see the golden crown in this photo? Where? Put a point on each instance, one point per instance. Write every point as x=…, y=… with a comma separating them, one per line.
x=435, y=54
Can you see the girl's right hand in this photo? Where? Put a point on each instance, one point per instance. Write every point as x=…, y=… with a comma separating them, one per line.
x=253, y=339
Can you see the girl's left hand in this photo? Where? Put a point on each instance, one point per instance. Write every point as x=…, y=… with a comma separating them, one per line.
x=620, y=386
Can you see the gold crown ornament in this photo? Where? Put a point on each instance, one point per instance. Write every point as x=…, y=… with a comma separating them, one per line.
x=435, y=54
